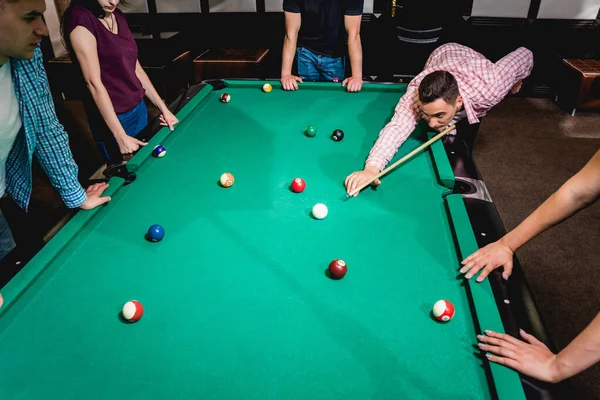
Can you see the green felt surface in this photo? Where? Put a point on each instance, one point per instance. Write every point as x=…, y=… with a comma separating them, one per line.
x=237, y=302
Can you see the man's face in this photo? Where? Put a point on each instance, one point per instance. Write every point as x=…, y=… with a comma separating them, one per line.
x=108, y=5
x=21, y=28
x=440, y=113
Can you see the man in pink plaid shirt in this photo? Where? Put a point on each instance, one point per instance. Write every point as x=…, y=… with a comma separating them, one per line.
x=457, y=82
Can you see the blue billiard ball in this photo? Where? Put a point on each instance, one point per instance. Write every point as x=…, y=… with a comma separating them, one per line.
x=156, y=233
x=159, y=151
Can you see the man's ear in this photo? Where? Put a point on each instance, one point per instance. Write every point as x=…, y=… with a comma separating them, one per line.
x=459, y=102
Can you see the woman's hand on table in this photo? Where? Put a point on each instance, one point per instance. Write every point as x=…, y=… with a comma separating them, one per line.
x=128, y=144
x=359, y=178
x=290, y=82
x=531, y=357
x=489, y=258
x=94, y=196
x=168, y=119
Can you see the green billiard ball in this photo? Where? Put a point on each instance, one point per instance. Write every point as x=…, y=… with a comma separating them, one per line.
x=311, y=131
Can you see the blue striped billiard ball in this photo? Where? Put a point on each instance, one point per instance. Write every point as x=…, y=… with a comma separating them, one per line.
x=156, y=233
x=159, y=151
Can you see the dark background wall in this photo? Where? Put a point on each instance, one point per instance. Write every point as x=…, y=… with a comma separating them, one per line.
x=399, y=35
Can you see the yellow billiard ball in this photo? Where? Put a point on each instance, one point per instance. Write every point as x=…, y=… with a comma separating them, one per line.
x=267, y=87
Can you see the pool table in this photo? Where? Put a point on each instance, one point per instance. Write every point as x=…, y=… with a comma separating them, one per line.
x=237, y=301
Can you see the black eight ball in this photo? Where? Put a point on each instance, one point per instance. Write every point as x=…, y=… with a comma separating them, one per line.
x=337, y=135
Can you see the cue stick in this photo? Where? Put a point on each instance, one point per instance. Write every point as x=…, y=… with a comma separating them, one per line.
x=403, y=159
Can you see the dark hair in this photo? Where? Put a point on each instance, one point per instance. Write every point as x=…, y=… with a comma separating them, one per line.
x=92, y=5
x=438, y=85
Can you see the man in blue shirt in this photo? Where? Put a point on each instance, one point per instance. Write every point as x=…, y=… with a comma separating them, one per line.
x=28, y=122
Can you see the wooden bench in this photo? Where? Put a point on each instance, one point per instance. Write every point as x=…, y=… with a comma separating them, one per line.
x=580, y=89
x=228, y=63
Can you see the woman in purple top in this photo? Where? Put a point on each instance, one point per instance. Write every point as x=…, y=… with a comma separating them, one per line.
x=96, y=31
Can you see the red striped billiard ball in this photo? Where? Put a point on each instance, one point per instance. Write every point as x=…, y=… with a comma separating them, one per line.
x=225, y=98
x=298, y=185
x=132, y=311
x=337, y=269
x=443, y=310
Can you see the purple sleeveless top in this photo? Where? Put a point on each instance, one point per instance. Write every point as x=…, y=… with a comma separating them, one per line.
x=117, y=55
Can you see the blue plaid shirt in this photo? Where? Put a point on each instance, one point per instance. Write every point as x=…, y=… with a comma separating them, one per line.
x=42, y=135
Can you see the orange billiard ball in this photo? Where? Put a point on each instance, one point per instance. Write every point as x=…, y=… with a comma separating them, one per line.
x=227, y=180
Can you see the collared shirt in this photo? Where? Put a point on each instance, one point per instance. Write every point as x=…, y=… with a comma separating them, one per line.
x=42, y=135
x=481, y=83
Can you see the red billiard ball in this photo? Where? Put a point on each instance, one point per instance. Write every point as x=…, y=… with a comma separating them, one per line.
x=225, y=98
x=298, y=185
x=443, y=310
x=337, y=269
x=336, y=80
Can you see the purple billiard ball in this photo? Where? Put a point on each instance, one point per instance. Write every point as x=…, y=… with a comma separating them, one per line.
x=159, y=151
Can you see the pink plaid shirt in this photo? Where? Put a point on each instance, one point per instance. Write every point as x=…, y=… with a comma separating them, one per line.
x=481, y=83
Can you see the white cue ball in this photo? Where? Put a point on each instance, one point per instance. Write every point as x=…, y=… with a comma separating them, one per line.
x=319, y=211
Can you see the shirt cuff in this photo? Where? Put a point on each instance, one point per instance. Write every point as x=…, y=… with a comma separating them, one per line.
x=75, y=199
x=375, y=162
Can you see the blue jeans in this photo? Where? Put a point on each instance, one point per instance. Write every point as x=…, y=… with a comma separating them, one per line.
x=7, y=243
x=132, y=121
x=315, y=67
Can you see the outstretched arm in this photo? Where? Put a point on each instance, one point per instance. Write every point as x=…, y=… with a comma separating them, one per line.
x=166, y=116
x=577, y=193
x=533, y=358
x=53, y=152
x=390, y=139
